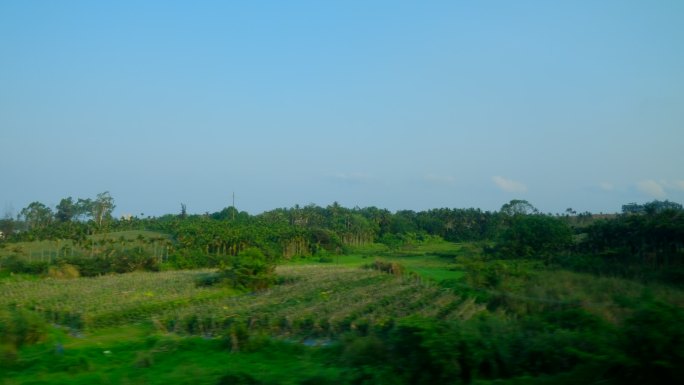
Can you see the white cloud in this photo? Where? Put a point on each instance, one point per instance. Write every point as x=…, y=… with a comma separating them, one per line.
x=606, y=186
x=509, y=185
x=652, y=188
x=440, y=179
x=679, y=184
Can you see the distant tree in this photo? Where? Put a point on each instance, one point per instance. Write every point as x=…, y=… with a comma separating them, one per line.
x=66, y=210
x=651, y=208
x=632, y=208
x=653, y=239
x=226, y=214
x=7, y=224
x=36, y=215
x=404, y=221
x=657, y=206
x=537, y=236
x=6, y=227
x=83, y=208
x=518, y=207
x=102, y=208
x=184, y=211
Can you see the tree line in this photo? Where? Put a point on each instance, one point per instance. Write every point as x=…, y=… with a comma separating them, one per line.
x=649, y=234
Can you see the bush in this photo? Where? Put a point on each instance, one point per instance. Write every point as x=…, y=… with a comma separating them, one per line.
x=18, y=265
x=19, y=327
x=188, y=259
x=208, y=279
x=63, y=271
x=653, y=343
x=117, y=261
x=250, y=269
x=493, y=274
x=387, y=267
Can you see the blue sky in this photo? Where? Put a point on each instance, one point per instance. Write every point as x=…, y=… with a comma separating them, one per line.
x=400, y=105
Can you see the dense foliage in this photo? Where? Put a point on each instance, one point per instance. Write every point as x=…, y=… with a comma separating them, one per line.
x=644, y=238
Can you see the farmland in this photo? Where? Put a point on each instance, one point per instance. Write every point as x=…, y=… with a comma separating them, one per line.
x=314, y=302
x=334, y=293
x=147, y=327
x=344, y=296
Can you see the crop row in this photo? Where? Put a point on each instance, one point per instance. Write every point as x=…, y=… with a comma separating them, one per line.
x=314, y=300
x=321, y=301
x=108, y=300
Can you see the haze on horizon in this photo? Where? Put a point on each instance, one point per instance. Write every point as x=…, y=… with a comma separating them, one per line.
x=394, y=104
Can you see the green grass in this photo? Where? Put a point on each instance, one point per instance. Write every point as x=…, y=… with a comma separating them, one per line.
x=321, y=300
x=189, y=342
x=314, y=299
x=36, y=250
x=136, y=355
x=611, y=298
x=88, y=303
x=44, y=251
x=431, y=260
x=438, y=274
x=435, y=247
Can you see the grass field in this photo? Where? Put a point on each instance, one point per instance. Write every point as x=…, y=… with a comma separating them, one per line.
x=162, y=328
x=322, y=299
x=88, y=303
x=152, y=242
x=126, y=328
x=433, y=260
x=139, y=355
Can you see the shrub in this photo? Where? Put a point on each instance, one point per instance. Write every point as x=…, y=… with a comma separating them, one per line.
x=20, y=327
x=63, y=271
x=117, y=261
x=17, y=264
x=188, y=259
x=208, y=279
x=387, y=267
x=250, y=269
x=653, y=343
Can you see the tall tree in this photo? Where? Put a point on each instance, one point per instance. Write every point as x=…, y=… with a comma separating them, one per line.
x=66, y=210
x=36, y=215
x=518, y=207
x=83, y=208
x=102, y=208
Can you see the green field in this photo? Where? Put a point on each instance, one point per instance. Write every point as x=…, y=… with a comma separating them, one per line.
x=141, y=316
x=329, y=298
x=152, y=242
x=87, y=303
x=435, y=261
x=138, y=355
x=336, y=322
